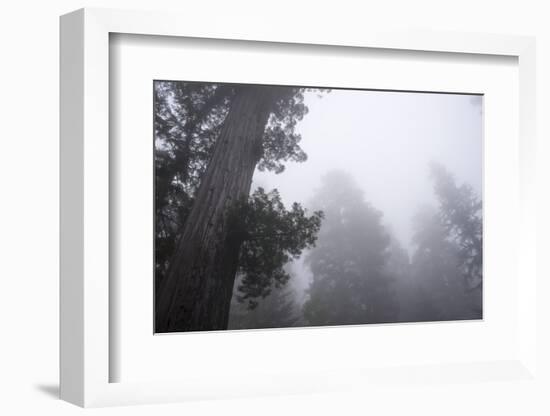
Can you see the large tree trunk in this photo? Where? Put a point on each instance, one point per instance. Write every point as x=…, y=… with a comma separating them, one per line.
x=182, y=150
x=197, y=290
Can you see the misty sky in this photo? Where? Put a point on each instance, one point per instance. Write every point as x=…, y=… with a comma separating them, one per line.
x=385, y=140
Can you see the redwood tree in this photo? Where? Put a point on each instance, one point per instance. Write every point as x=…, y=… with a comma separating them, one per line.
x=257, y=131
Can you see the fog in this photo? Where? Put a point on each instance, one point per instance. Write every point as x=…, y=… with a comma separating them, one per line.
x=280, y=206
x=386, y=142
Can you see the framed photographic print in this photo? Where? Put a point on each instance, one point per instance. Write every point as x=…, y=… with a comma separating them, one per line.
x=260, y=214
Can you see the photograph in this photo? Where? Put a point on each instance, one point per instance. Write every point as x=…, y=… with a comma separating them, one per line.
x=279, y=206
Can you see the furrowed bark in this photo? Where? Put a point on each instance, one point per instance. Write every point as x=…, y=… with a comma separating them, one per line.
x=183, y=152
x=197, y=290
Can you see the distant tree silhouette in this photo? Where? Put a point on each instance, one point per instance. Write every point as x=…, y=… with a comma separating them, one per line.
x=435, y=268
x=446, y=265
x=351, y=282
x=460, y=213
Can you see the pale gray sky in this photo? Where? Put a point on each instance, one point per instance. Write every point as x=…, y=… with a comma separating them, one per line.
x=385, y=140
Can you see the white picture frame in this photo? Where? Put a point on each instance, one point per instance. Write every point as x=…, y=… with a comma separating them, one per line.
x=85, y=164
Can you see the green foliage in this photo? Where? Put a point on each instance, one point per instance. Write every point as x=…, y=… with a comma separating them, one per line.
x=271, y=236
x=351, y=283
x=281, y=141
x=188, y=117
x=187, y=121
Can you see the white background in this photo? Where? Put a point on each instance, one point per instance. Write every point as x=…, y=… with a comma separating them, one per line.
x=29, y=208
